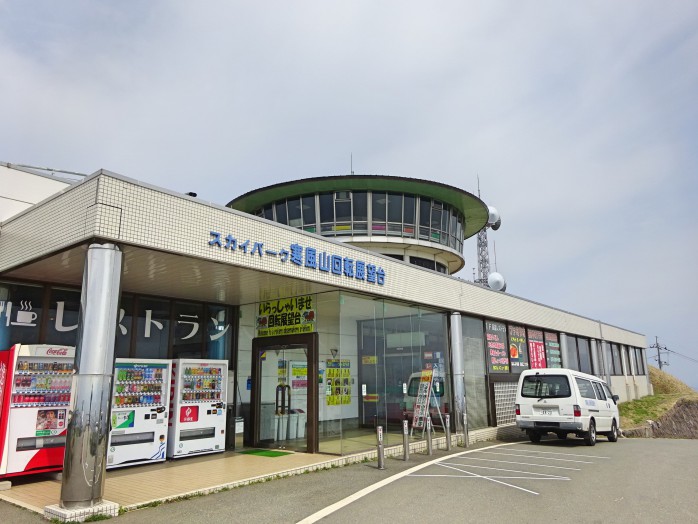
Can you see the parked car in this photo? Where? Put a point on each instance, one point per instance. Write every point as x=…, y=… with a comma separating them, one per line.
x=564, y=401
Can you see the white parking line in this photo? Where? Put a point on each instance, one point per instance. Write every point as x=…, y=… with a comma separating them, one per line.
x=556, y=453
x=494, y=480
x=370, y=489
x=523, y=463
x=504, y=469
x=529, y=456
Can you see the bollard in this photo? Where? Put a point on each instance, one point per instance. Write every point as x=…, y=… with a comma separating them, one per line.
x=405, y=441
x=448, y=432
x=430, y=450
x=465, y=430
x=381, y=454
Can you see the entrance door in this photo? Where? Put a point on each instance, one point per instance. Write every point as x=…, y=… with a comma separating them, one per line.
x=284, y=392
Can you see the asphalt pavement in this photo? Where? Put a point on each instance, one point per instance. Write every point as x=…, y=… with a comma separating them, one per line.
x=633, y=480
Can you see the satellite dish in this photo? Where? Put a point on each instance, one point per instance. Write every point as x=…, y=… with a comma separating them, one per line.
x=493, y=219
x=496, y=281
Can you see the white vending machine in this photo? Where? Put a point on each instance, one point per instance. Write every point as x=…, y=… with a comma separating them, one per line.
x=35, y=385
x=197, y=407
x=139, y=412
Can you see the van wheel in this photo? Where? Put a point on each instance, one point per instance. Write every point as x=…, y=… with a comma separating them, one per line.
x=562, y=436
x=534, y=436
x=613, y=435
x=590, y=437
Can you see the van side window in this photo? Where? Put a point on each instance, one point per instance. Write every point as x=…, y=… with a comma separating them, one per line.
x=545, y=386
x=585, y=388
x=608, y=391
x=599, y=391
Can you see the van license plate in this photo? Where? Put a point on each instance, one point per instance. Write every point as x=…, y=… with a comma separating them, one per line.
x=546, y=411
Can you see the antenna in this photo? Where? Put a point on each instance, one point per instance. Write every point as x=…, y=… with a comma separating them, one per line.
x=494, y=280
x=351, y=163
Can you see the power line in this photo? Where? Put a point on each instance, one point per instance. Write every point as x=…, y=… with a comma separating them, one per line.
x=684, y=356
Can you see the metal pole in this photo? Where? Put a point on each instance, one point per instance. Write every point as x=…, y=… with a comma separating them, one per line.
x=381, y=454
x=405, y=441
x=430, y=449
x=84, y=463
x=448, y=431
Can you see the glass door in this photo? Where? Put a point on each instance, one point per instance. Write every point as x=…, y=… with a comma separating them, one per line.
x=285, y=392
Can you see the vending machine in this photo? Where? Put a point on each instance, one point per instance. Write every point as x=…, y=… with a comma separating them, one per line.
x=197, y=408
x=139, y=412
x=35, y=385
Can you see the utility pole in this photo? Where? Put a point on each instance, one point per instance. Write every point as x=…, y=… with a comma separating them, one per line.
x=659, y=349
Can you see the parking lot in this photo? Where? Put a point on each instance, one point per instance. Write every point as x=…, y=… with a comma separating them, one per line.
x=634, y=480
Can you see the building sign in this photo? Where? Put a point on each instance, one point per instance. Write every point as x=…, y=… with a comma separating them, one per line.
x=496, y=336
x=536, y=349
x=338, y=387
x=552, y=351
x=518, y=353
x=286, y=316
x=303, y=256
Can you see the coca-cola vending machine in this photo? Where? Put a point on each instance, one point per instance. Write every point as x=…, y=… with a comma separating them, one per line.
x=35, y=385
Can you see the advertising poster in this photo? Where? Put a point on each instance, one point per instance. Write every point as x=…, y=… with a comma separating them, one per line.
x=299, y=374
x=288, y=316
x=552, y=350
x=123, y=419
x=536, y=349
x=496, y=347
x=338, y=387
x=50, y=422
x=518, y=353
x=421, y=404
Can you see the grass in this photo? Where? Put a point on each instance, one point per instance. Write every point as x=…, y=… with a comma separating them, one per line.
x=667, y=392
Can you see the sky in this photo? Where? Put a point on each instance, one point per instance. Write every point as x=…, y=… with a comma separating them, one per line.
x=579, y=119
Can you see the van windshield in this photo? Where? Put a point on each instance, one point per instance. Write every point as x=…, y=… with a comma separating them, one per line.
x=437, y=389
x=545, y=386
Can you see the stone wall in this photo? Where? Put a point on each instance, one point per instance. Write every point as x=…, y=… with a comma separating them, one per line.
x=681, y=421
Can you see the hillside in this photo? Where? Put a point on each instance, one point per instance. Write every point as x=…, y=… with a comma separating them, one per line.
x=672, y=410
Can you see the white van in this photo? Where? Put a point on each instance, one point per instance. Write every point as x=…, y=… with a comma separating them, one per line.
x=563, y=401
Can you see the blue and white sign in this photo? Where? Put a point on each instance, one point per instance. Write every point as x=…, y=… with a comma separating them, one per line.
x=305, y=256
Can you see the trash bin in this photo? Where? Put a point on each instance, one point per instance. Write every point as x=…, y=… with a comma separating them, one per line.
x=239, y=432
x=301, y=423
x=292, y=425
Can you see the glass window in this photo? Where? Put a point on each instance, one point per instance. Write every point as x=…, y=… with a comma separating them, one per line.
x=394, y=208
x=441, y=268
x=572, y=361
x=536, y=349
x=308, y=203
x=424, y=212
x=640, y=361
x=219, y=332
x=295, y=218
x=342, y=210
x=518, y=351
x=584, y=355
x=423, y=262
x=268, y=212
x=615, y=354
x=188, y=330
x=436, y=210
x=408, y=215
x=545, y=386
x=496, y=347
x=281, y=215
x=62, y=326
x=599, y=391
x=553, y=354
x=378, y=207
x=359, y=199
x=21, y=314
x=628, y=369
x=326, y=208
x=585, y=388
x=475, y=372
x=124, y=328
x=444, y=225
x=152, y=328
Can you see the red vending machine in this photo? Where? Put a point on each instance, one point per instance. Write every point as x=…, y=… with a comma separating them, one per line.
x=35, y=384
